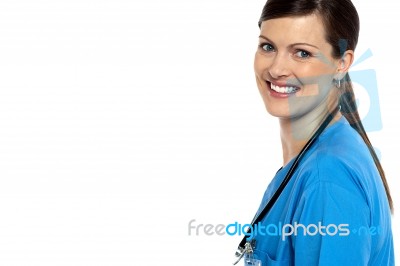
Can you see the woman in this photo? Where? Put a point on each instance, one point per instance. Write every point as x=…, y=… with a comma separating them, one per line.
x=333, y=207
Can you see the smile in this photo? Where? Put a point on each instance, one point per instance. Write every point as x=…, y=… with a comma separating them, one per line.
x=284, y=90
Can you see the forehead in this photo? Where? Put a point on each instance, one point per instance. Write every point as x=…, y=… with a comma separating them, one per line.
x=299, y=29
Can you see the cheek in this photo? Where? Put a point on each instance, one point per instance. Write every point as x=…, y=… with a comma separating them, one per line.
x=261, y=63
x=257, y=64
x=310, y=90
x=260, y=85
x=316, y=79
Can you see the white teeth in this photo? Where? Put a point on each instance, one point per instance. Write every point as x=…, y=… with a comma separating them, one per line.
x=283, y=89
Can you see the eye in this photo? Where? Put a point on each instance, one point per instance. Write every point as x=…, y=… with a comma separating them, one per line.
x=266, y=47
x=303, y=54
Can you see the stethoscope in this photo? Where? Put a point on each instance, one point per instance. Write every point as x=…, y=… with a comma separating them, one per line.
x=245, y=246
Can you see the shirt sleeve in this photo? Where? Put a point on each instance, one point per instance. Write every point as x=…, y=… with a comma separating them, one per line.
x=332, y=226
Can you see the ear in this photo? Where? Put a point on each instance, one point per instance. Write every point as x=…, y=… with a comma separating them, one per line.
x=343, y=64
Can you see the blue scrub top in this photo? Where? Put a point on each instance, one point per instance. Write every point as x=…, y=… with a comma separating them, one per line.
x=334, y=210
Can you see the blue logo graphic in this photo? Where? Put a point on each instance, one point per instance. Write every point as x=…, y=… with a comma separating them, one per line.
x=372, y=121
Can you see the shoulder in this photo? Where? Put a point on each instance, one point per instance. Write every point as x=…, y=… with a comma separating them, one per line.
x=340, y=159
x=338, y=150
x=332, y=186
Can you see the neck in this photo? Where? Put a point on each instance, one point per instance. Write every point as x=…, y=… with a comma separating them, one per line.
x=295, y=132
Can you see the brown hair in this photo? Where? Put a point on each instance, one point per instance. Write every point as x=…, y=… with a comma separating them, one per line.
x=342, y=27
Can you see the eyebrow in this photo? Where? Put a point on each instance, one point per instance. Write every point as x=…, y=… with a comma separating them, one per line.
x=299, y=43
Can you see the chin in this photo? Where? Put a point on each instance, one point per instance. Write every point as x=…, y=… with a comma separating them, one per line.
x=278, y=112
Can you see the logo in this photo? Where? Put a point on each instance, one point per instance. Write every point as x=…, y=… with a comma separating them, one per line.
x=281, y=230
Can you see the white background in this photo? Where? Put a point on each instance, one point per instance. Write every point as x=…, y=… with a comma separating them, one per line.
x=120, y=121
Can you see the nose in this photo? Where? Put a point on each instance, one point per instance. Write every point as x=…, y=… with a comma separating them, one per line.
x=279, y=67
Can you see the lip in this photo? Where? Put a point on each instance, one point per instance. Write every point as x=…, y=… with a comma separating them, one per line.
x=276, y=94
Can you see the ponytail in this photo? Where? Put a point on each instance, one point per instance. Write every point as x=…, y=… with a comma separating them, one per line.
x=349, y=110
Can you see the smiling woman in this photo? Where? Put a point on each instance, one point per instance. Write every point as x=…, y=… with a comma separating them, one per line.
x=330, y=177
x=297, y=63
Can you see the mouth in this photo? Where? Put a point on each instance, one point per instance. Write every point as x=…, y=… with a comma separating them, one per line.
x=282, y=90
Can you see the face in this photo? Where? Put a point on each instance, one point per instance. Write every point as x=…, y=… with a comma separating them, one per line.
x=294, y=67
